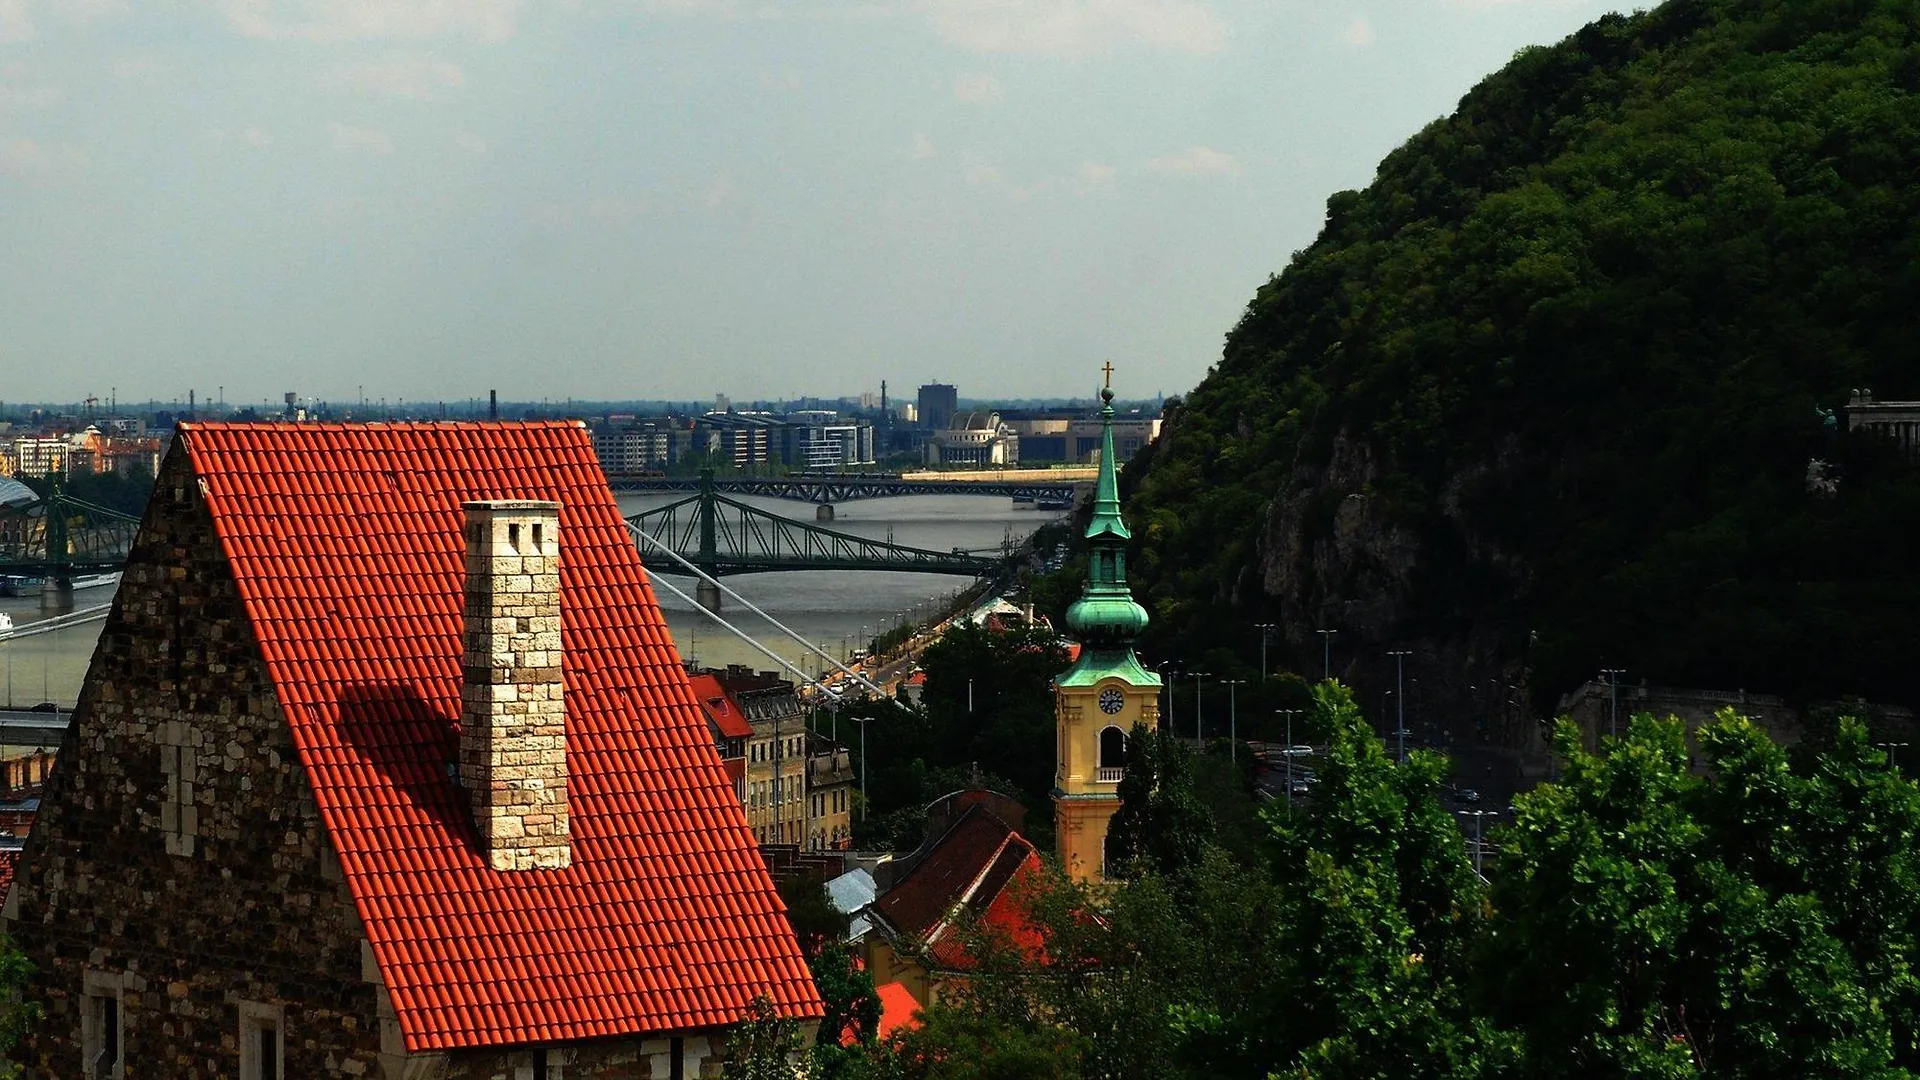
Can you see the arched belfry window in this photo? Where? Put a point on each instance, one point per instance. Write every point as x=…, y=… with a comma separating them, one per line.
x=1113, y=748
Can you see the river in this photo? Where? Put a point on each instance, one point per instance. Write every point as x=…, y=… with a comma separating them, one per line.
x=833, y=609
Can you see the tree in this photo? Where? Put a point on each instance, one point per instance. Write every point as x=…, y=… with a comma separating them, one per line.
x=765, y=1046
x=17, y=1015
x=1757, y=921
x=1161, y=824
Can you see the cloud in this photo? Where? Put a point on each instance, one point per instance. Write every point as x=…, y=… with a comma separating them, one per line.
x=1073, y=29
x=328, y=21
x=921, y=148
x=471, y=143
x=1092, y=174
x=247, y=136
x=1196, y=161
x=359, y=140
x=984, y=176
x=26, y=159
x=1358, y=33
x=979, y=88
x=16, y=25
x=413, y=76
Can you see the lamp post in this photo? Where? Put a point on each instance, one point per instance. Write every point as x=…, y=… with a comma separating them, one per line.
x=1266, y=630
x=1169, y=671
x=1479, y=842
x=1287, y=752
x=862, y=721
x=1890, y=748
x=1199, y=680
x=1233, y=717
x=1400, y=696
x=1612, y=675
x=1326, y=653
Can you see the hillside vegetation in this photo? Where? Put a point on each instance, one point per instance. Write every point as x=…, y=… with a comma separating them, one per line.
x=1557, y=374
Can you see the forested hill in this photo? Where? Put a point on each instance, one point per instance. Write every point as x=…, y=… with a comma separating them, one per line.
x=1559, y=371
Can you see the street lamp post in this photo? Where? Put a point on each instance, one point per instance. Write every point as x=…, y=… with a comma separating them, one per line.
x=1326, y=653
x=1288, y=751
x=1479, y=841
x=1233, y=718
x=1400, y=696
x=1890, y=748
x=862, y=721
x=1266, y=630
x=1169, y=671
x=1199, y=679
x=1612, y=675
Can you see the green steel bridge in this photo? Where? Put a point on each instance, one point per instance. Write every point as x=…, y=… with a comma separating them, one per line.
x=722, y=536
x=61, y=538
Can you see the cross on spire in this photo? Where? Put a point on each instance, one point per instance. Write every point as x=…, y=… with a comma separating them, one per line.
x=1109, y=370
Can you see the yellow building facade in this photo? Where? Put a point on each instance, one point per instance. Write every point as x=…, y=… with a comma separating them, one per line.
x=1099, y=700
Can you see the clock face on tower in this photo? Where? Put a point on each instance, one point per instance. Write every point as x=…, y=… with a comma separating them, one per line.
x=1112, y=701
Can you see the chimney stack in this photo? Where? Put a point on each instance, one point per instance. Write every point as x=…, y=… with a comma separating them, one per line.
x=513, y=731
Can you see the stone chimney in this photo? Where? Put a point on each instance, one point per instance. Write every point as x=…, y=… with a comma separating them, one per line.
x=513, y=717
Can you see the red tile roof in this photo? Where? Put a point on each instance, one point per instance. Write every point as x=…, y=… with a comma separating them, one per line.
x=346, y=545
x=973, y=865
x=721, y=708
x=897, y=1009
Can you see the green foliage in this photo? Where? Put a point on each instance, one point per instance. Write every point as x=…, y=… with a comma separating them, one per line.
x=1758, y=921
x=1161, y=825
x=1570, y=343
x=127, y=494
x=17, y=1015
x=766, y=1046
x=816, y=923
x=987, y=707
x=853, y=1010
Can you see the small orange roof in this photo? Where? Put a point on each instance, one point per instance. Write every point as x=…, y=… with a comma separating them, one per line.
x=720, y=707
x=897, y=1009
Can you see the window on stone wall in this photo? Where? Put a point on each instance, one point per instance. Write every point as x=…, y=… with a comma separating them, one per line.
x=262, y=1047
x=102, y=1028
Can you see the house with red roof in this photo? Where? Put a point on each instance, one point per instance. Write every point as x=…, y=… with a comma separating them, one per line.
x=969, y=873
x=386, y=766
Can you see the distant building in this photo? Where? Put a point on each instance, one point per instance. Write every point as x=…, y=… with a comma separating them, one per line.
x=834, y=446
x=797, y=788
x=1897, y=421
x=629, y=445
x=1046, y=440
x=974, y=438
x=938, y=403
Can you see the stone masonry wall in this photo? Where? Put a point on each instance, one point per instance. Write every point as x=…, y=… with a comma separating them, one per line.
x=179, y=852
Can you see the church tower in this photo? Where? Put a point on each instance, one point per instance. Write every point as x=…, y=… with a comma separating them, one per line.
x=1106, y=692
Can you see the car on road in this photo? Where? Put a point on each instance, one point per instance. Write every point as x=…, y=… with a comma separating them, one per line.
x=1298, y=751
x=1467, y=795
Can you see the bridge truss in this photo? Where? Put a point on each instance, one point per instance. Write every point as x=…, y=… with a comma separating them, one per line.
x=59, y=538
x=722, y=536
x=840, y=488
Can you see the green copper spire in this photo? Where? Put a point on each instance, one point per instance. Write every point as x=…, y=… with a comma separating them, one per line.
x=1105, y=617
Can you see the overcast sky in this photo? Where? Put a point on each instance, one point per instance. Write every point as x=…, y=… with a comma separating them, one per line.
x=673, y=198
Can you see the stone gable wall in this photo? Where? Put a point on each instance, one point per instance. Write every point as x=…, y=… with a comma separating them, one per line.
x=179, y=849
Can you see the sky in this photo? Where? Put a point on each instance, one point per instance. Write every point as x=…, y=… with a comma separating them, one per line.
x=670, y=199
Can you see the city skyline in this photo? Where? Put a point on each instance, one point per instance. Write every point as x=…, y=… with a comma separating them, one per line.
x=684, y=195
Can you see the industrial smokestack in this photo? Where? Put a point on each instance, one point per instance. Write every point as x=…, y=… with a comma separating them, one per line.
x=493, y=404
